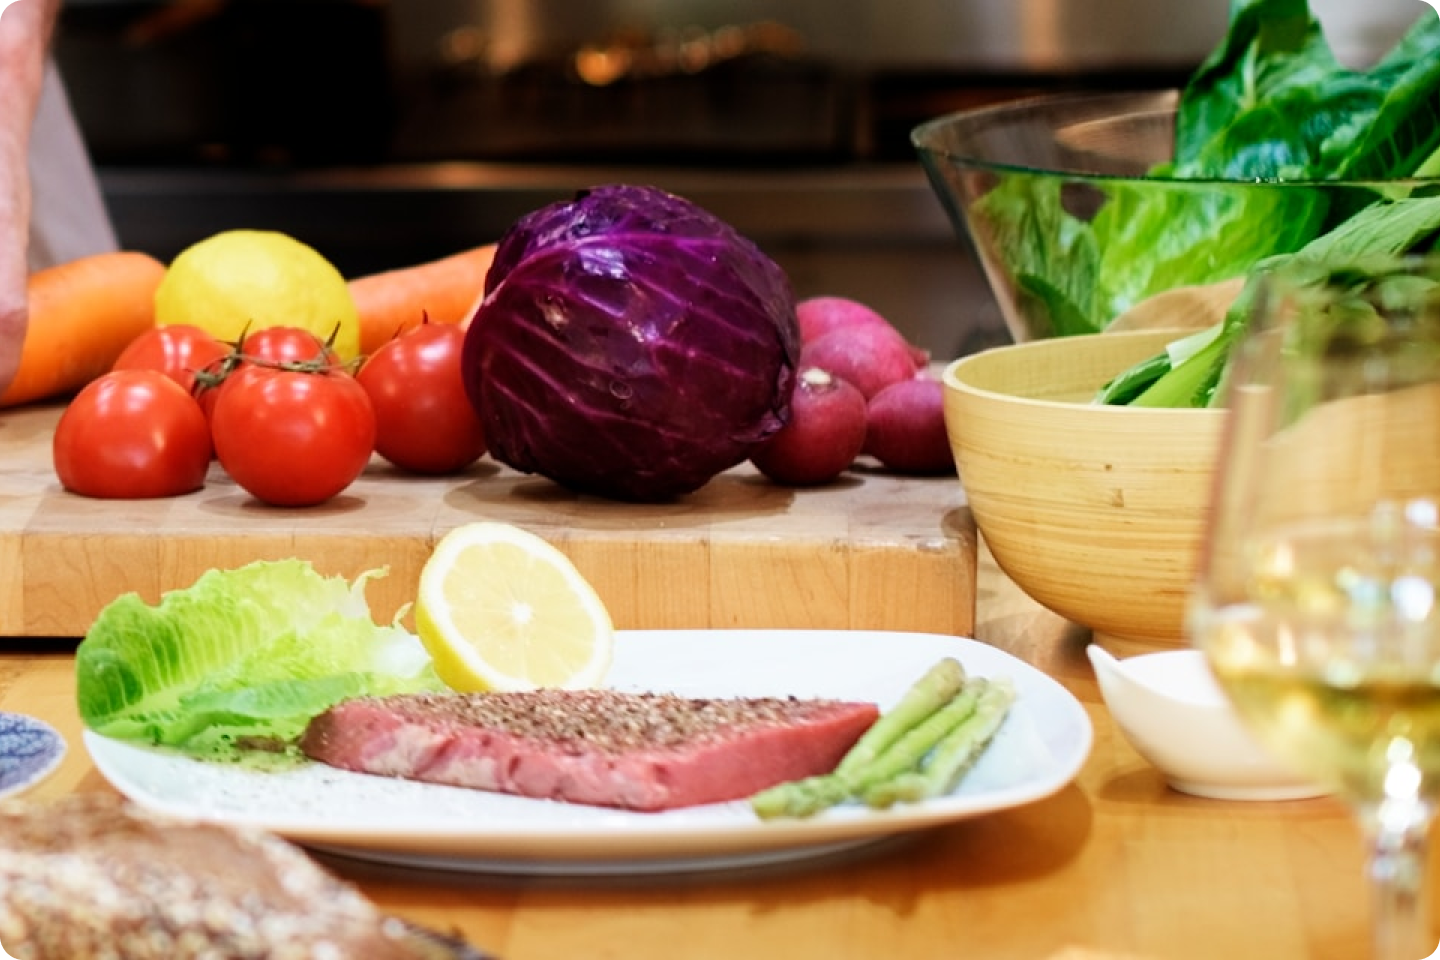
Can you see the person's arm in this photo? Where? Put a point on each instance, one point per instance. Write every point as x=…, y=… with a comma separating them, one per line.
x=25, y=29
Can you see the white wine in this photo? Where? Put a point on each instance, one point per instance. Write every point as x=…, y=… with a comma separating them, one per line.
x=1350, y=736
x=1318, y=600
x=1332, y=654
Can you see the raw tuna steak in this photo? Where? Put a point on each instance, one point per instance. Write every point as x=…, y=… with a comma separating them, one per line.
x=635, y=751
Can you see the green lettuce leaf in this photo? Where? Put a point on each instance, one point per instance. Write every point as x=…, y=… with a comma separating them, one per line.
x=1272, y=102
x=1402, y=134
x=1156, y=237
x=241, y=659
x=1271, y=47
x=1051, y=254
x=1381, y=230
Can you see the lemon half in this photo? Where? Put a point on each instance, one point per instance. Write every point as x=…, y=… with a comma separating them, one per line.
x=499, y=608
x=241, y=279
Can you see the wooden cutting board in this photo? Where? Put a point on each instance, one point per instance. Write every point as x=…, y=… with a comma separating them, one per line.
x=871, y=551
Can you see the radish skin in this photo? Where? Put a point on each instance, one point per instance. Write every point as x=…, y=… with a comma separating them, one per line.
x=870, y=358
x=825, y=433
x=819, y=316
x=905, y=428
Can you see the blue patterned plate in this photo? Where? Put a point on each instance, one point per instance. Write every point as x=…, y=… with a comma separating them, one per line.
x=30, y=750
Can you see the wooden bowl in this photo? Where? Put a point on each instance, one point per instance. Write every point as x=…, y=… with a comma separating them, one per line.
x=1094, y=511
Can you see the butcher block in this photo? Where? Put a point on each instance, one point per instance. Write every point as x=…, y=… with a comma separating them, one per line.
x=870, y=551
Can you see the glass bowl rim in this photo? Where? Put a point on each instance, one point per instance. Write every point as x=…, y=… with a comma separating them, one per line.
x=1162, y=100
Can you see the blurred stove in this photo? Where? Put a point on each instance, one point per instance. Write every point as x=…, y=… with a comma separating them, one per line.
x=708, y=83
x=389, y=132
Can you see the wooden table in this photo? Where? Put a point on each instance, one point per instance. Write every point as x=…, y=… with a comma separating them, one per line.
x=1114, y=867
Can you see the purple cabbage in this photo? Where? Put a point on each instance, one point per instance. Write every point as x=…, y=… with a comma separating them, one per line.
x=630, y=345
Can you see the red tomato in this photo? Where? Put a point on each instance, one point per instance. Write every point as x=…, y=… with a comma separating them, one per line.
x=277, y=347
x=177, y=350
x=290, y=438
x=423, y=419
x=132, y=434
x=284, y=345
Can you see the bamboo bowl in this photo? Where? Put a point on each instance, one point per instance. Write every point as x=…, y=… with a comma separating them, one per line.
x=1095, y=512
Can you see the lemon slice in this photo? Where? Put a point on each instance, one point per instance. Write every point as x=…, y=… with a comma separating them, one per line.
x=501, y=609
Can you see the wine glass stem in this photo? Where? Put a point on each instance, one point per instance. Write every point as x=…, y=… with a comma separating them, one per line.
x=1396, y=833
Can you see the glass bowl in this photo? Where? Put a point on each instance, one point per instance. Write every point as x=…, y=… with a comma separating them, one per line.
x=1073, y=226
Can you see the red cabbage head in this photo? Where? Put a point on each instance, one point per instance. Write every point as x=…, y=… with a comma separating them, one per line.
x=630, y=345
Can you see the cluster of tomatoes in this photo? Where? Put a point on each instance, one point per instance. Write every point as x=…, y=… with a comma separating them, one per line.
x=286, y=419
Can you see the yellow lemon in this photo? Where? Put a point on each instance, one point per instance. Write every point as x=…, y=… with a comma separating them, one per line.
x=253, y=279
x=501, y=609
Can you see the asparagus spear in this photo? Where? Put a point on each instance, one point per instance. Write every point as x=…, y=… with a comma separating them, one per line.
x=931, y=692
x=805, y=798
x=800, y=798
x=937, y=687
x=908, y=751
x=953, y=756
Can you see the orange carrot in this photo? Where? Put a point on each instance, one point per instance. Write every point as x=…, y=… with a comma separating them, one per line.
x=445, y=290
x=82, y=315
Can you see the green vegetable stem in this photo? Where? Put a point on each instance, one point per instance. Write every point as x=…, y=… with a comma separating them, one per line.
x=936, y=688
x=932, y=734
x=924, y=698
x=952, y=756
x=1384, y=229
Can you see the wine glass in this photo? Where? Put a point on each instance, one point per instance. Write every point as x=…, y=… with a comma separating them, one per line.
x=1316, y=598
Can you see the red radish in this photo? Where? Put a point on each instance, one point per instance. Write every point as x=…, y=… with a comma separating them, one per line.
x=905, y=427
x=824, y=436
x=821, y=315
x=871, y=358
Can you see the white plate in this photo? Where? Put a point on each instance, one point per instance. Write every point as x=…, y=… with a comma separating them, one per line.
x=1039, y=750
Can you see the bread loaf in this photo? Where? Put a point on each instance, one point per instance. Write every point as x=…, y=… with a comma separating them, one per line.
x=92, y=876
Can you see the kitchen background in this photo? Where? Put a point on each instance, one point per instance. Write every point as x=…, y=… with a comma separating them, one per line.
x=387, y=133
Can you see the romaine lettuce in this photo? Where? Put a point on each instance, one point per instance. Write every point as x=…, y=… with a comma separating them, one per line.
x=243, y=658
x=1270, y=103
x=1383, y=230
x=1051, y=254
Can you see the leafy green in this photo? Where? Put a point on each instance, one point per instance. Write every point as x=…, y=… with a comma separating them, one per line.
x=1263, y=101
x=1052, y=256
x=1402, y=136
x=241, y=658
x=1270, y=103
x=1381, y=230
x=1155, y=237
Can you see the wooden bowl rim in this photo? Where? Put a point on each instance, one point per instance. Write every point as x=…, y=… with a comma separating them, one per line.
x=952, y=377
